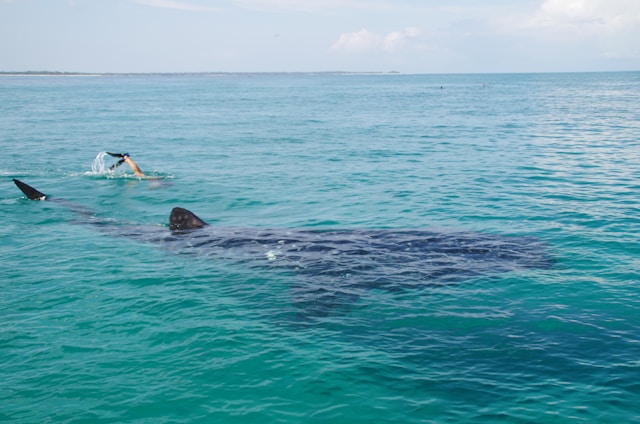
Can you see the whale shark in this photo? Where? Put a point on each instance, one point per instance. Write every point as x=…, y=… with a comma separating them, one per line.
x=330, y=265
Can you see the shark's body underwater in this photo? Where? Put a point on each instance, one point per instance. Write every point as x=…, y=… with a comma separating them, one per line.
x=330, y=263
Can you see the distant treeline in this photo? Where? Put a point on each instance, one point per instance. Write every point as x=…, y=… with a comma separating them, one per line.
x=43, y=73
x=54, y=73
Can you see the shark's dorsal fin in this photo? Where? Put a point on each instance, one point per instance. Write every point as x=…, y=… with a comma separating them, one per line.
x=30, y=192
x=183, y=219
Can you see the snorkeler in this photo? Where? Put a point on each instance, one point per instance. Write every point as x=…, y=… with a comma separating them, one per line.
x=126, y=157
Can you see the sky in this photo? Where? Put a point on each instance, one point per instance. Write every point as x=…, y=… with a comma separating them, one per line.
x=408, y=36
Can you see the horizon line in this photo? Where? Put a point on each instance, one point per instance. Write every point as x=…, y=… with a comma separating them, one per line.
x=226, y=73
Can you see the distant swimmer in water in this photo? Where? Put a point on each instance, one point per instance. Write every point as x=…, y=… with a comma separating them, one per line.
x=126, y=157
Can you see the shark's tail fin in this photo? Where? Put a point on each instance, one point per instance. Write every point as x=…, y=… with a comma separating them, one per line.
x=183, y=219
x=30, y=192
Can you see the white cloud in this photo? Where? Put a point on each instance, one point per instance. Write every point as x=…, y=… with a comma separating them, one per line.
x=395, y=40
x=365, y=41
x=585, y=17
x=359, y=41
x=612, y=27
x=176, y=5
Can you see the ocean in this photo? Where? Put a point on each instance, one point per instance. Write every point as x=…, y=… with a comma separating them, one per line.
x=98, y=325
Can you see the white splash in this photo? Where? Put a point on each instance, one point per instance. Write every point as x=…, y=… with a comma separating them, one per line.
x=98, y=166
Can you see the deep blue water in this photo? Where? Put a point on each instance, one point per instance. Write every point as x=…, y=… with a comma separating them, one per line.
x=96, y=326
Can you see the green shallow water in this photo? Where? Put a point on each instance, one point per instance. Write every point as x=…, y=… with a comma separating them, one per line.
x=97, y=327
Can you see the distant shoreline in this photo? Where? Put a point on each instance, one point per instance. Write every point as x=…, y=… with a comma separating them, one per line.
x=100, y=74
x=250, y=74
x=49, y=74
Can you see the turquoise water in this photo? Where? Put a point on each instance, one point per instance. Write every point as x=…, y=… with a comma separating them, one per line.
x=100, y=327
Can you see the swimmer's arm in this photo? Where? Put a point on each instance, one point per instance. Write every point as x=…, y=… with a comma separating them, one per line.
x=134, y=166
